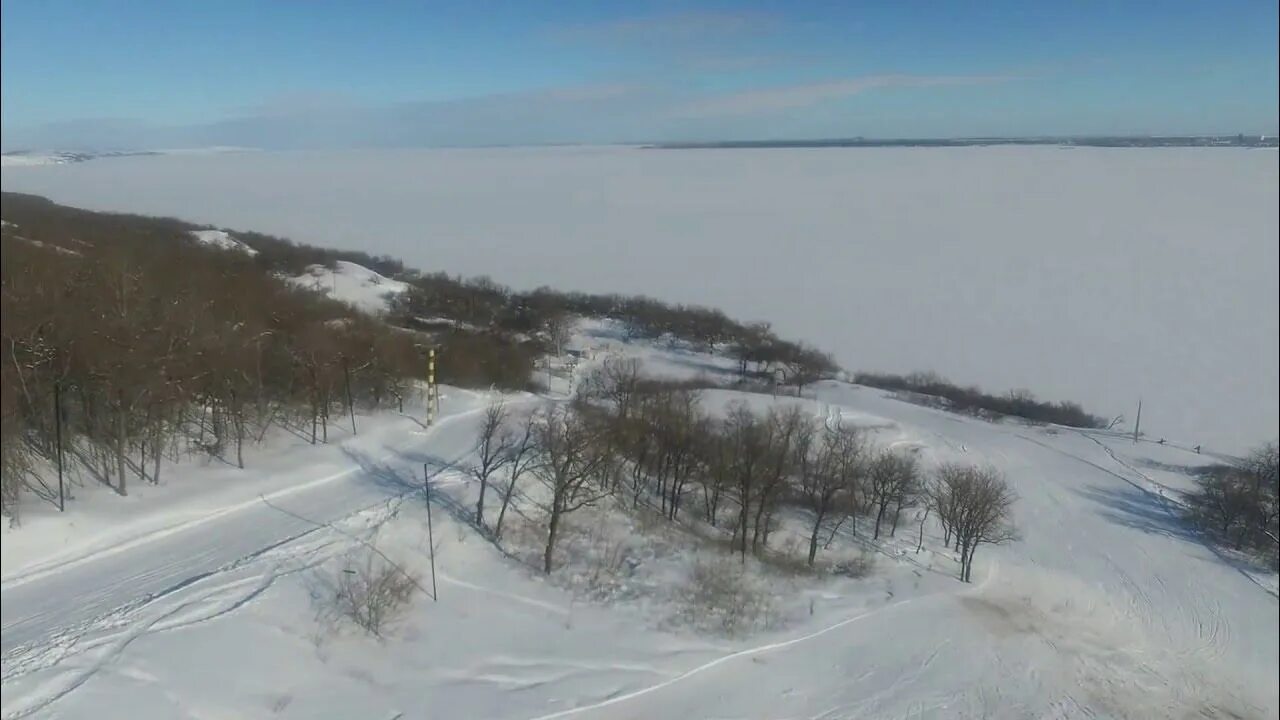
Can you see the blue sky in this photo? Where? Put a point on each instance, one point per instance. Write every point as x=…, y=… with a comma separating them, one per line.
x=328, y=74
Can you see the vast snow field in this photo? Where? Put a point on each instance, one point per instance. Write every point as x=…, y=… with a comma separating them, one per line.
x=1107, y=607
x=1097, y=275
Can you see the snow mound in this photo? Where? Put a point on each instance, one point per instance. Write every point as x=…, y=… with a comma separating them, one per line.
x=356, y=285
x=222, y=240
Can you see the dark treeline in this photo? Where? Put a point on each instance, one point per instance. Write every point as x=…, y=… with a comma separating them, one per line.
x=481, y=304
x=972, y=400
x=155, y=348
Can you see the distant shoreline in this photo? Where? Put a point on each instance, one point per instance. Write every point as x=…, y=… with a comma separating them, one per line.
x=1247, y=141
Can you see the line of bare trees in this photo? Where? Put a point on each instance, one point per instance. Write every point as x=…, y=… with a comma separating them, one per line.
x=935, y=389
x=480, y=304
x=648, y=443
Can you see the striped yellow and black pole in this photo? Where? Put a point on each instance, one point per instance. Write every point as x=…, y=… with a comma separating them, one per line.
x=435, y=386
x=431, y=386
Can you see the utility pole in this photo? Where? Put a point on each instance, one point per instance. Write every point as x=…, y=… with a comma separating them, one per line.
x=431, y=540
x=1137, y=424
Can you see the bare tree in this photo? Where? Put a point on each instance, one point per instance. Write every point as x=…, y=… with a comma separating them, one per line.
x=893, y=481
x=977, y=503
x=559, y=328
x=616, y=381
x=493, y=452
x=571, y=465
x=1263, y=467
x=677, y=426
x=785, y=430
x=832, y=473
x=523, y=455
x=717, y=464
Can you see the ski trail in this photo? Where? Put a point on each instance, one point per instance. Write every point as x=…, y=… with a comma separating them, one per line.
x=62, y=686
x=1164, y=491
x=1165, y=503
x=759, y=650
x=43, y=570
x=532, y=602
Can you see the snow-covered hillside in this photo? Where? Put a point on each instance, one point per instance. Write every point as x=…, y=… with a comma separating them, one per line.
x=1108, y=606
x=222, y=240
x=356, y=285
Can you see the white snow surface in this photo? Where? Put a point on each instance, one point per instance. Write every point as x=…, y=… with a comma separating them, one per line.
x=30, y=159
x=221, y=239
x=1107, y=607
x=1088, y=274
x=356, y=285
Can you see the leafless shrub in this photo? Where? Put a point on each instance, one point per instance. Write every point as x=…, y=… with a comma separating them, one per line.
x=855, y=567
x=718, y=598
x=369, y=592
x=608, y=567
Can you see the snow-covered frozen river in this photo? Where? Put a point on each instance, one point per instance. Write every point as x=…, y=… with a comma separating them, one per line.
x=1097, y=275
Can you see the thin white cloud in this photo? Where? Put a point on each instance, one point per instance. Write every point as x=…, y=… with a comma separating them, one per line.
x=752, y=102
x=674, y=27
x=589, y=92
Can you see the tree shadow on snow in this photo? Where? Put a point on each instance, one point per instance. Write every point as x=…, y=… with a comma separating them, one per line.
x=403, y=480
x=1142, y=510
x=1128, y=506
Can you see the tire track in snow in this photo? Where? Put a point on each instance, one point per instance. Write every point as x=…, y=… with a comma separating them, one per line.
x=63, y=685
x=24, y=659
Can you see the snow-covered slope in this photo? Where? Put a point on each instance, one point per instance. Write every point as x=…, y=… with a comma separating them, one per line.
x=1107, y=607
x=221, y=239
x=353, y=284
